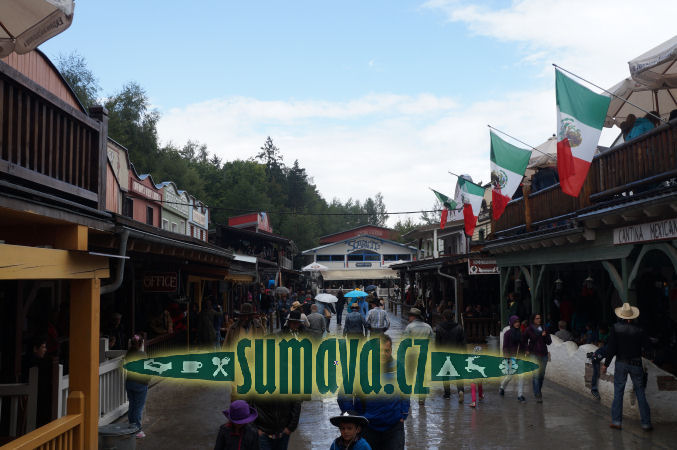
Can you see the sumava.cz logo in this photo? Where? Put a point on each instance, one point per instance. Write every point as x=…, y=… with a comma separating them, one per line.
x=278, y=366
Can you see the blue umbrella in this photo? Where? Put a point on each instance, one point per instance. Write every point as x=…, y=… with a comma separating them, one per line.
x=356, y=294
x=371, y=287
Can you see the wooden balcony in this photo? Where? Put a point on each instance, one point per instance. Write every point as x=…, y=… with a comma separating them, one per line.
x=47, y=145
x=646, y=160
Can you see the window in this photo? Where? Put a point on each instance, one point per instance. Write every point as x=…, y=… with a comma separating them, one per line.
x=174, y=227
x=330, y=258
x=481, y=233
x=149, y=215
x=165, y=224
x=396, y=257
x=364, y=255
x=128, y=208
x=182, y=227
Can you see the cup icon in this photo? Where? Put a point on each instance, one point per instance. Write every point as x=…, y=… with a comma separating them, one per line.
x=191, y=366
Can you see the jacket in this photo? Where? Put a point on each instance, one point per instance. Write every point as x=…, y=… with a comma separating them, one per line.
x=354, y=324
x=359, y=444
x=227, y=439
x=535, y=343
x=418, y=329
x=317, y=324
x=509, y=348
x=133, y=355
x=626, y=342
x=450, y=334
x=276, y=415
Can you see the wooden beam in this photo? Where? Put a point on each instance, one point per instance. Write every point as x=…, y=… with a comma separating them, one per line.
x=18, y=262
x=84, y=352
x=65, y=237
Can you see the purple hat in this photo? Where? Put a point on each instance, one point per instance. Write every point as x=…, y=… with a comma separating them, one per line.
x=513, y=319
x=240, y=412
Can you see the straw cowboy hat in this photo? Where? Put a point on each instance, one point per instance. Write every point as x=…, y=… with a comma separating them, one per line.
x=295, y=305
x=627, y=312
x=416, y=313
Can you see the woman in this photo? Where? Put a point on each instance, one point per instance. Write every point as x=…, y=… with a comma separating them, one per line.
x=136, y=385
x=537, y=341
x=513, y=344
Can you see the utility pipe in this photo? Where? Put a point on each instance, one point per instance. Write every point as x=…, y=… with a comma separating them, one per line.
x=459, y=317
x=119, y=273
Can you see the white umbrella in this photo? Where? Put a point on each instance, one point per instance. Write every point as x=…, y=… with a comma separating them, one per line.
x=661, y=100
x=326, y=298
x=314, y=267
x=657, y=68
x=25, y=24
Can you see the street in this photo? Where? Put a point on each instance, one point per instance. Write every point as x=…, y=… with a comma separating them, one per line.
x=179, y=415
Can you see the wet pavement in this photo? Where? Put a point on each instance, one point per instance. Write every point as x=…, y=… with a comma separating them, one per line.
x=187, y=416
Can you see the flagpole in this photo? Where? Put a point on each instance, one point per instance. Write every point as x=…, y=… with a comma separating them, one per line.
x=521, y=142
x=455, y=209
x=611, y=93
x=458, y=176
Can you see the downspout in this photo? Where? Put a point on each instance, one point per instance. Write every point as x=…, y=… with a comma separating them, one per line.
x=119, y=273
x=459, y=317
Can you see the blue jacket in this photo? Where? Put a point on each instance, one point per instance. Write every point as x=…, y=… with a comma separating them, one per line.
x=364, y=308
x=384, y=410
x=360, y=444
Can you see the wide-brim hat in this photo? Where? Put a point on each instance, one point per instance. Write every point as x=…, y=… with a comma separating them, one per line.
x=627, y=312
x=354, y=305
x=416, y=313
x=351, y=417
x=246, y=309
x=294, y=316
x=295, y=305
x=240, y=412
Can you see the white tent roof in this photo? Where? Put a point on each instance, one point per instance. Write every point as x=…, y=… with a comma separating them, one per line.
x=649, y=99
x=657, y=68
x=538, y=159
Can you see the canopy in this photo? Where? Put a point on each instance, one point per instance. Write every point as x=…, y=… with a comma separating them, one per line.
x=657, y=68
x=662, y=100
x=314, y=267
x=25, y=24
x=538, y=159
x=366, y=274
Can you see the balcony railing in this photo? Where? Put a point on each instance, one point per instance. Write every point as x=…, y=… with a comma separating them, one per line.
x=47, y=142
x=649, y=159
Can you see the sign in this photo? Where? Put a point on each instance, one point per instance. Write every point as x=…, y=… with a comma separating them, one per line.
x=363, y=264
x=146, y=191
x=644, y=232
x=199, y=218
x=482, y=266
x=160, y=282
x=175, y=202
x=462, y=366
x=216, y=366
x=359, y=244
x=262, y=223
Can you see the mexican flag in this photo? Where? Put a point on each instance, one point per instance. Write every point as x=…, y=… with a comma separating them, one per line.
x=448, y=204
x=580, y=117
x=471, y=196
x=508, y=164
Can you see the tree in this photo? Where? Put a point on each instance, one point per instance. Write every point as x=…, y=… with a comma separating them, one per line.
x=403, y=227
x=80, y=78
x=429, y=218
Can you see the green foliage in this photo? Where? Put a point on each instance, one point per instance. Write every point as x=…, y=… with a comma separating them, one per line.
x=73, y=68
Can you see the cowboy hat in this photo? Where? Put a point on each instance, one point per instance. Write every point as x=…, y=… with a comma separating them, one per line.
x=295, y=305
x=294, y=316
x=627, y=312
x=416, y=313
x=354, y=305
x=245, y=309
x=349, y=416
x=240, y=412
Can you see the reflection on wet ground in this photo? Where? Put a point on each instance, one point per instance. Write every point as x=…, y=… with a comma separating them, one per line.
x=187, y=416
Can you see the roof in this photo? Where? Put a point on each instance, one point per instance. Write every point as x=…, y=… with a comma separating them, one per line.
x=425, y=229
x=310, y=250
x=255, y=234
x=357, y=228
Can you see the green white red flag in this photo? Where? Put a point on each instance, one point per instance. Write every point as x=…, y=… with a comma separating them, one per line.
x=508, y=164
x=471, y=196
x=580, y=117
x=448, y=204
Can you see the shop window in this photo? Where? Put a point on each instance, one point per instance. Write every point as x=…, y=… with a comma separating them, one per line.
x=128, y=208
x=364, y=255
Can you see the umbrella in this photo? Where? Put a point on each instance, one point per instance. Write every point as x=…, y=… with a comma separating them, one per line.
x=326, y=298
x=281, y=290
x=356, y=294
x=661, y=100
x=657, y=68
x=25, y=24
x=314, y=267
x=371, y=287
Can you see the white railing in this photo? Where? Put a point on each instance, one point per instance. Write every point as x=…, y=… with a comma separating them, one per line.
x=16, y=392
x=112, y=394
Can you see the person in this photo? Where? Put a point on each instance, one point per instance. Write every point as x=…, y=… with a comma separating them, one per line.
x=238, y=433
x=325, y=310
x=386, y=413
x=364, y=307
x=512, y=304
x=377, y=319
x=416, y=329
x=340, y=304
x=354, y=325
x=295, y=324
x=537, y=340
x=277, y=419
x=317, y=326
x=449, y=335
x=37, y=357
x=161, y=322
x=513, y=343
x=246, y=325
x=563, y=333
x=117, y=338
x=476, y=386
x=351, y=425
x=136, y=385
x=298, y=306
x=205, y=325
x=639, y=126
x=626, y=342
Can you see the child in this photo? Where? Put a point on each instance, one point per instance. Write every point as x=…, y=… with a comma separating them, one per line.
x=237, y=433
x=351, y=426
x=136, y=385
x=475, y=387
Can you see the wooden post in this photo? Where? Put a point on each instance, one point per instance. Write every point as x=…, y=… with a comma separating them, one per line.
x=76, y=405
x=84, y=353
x=526, y=190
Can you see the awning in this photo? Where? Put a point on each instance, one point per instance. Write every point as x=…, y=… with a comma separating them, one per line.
x=366, y=274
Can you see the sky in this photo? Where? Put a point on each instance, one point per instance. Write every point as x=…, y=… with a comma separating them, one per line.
x=369, y=96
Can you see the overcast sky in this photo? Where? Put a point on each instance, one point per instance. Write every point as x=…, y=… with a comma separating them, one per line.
x=368, y=95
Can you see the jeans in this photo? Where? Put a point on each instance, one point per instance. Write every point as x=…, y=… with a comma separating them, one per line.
x=539, y=375
x=520, y=383
x=599, y=354
x=136, y=394
x=392, y=439
x=266, y=443
x=339, y=313
x=636, y=373
x=447, y=387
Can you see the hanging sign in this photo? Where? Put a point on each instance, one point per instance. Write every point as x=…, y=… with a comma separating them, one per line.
x=482, y=266
x=653, y=231
x=160, y=282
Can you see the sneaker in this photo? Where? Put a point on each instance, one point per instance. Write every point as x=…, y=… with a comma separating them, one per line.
x=460, y=396
x=140, y=435
x=447, y=395
x=647, y=427
x=615, y=426
x=596, y=395
x=539, y=399
x=521, y=399
x=473, y=404
x=501, y=392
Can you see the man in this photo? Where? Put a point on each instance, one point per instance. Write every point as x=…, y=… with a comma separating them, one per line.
x=295, y=325
x=325, y=310
x=449, y=335
x=205, y=325
x=377, y=319
x=354, y=325
x=563, y=333
x=277, y=419
x=246, y=326
x=386, y=413
x=536, y=341
x=416, y=329
x=339, y=306
x=512, y=305
x=117, y=338
x=297, y=306
x=317, y=326
x=626, y=342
